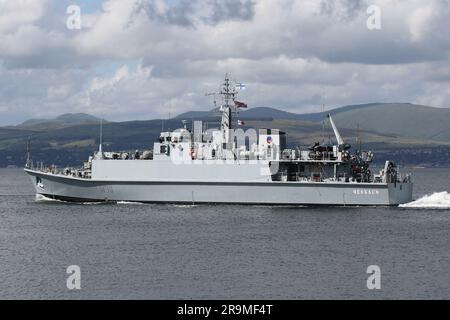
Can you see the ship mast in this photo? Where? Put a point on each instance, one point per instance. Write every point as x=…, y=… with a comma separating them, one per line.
x=100, y=145
x=226, y=108
x=228, y=93
x=99, y=154
x=28, y=164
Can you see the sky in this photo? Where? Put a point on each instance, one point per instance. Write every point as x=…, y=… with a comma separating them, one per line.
x=146, y=59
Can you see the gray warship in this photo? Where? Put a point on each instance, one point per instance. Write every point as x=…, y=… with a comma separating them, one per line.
x=227, y=165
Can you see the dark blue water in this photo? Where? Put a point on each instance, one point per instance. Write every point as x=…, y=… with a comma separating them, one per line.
x=239, y=252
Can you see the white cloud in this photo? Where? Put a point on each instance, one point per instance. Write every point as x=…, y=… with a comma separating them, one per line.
x=14, y=14
x=419, y=21
x=141, y=58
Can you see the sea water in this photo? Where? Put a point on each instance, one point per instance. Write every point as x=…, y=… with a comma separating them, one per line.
x=146, y=251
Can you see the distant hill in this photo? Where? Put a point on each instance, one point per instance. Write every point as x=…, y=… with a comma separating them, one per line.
x=405, y=120
x=319, y=116
x=272, y=113
x=404, y=131
x=198, y=114
x=265, y=112
x=399, y=119
x=253, y=113
x=65, y=120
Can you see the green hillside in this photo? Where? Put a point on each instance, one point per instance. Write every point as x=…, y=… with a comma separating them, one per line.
x=405, y=120
x=412, y=134
x=63, y=121
x=399, y=119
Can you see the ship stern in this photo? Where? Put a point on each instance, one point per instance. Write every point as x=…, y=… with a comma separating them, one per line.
x=400, y=193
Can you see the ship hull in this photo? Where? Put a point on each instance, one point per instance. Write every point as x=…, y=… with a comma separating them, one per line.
x=195, y=192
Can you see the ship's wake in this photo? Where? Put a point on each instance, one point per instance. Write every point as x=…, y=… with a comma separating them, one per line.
x=44, y=199
x=41, y=198
x=437, y=200
x=131, y=203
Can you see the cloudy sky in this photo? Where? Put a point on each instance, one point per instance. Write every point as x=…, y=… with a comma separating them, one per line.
x=144, y=59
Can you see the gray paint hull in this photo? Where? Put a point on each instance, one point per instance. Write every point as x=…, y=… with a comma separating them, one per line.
x=269, y=193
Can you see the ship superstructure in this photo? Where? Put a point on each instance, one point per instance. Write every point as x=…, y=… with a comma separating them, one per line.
x=228, y=165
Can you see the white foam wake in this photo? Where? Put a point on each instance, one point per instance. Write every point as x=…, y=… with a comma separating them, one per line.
x=41, y=198
x=44, y=199
x=438, y=200
x=130, y=203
